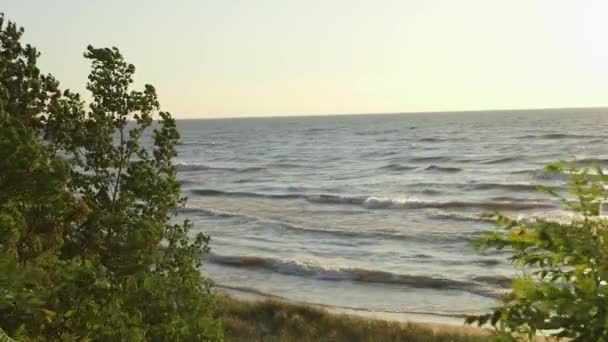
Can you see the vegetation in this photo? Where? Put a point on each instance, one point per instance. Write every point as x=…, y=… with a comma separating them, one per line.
x=88, y=246
x=279, y=321
x=563, y=285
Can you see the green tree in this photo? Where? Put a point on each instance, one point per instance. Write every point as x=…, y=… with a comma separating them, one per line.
x=89, y=245
x=562, y=288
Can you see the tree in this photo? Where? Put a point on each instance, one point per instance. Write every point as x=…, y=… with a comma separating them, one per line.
x=563, y=287
x=88, y=200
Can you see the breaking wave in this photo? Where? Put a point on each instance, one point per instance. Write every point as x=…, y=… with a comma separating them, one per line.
x=315, y=269
x=373, y=202
x=388, y=203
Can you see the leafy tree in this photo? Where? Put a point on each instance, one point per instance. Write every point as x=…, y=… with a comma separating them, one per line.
x=562, y=289
x=89, y=246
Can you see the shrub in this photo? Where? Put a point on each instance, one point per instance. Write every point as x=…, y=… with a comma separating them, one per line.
x=562, y=288
x=89, y=248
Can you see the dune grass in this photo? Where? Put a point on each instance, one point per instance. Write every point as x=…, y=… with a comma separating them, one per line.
x=271, y=320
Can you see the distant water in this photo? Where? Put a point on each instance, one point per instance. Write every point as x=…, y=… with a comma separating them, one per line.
x=374, y=212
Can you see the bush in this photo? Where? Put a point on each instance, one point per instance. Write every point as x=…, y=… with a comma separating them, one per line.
x=88, y=245
x=562, y=288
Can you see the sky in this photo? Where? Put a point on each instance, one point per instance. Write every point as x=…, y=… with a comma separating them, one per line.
x=231, y=58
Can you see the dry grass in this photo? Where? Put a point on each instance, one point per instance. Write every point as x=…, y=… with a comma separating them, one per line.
x=280, y=321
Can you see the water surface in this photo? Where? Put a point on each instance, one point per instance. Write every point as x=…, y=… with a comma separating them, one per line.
x=374, y=212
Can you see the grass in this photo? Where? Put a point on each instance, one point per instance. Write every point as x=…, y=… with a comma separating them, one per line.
x=272, y=320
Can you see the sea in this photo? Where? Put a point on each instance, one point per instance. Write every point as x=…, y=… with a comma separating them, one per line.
x=374, y=213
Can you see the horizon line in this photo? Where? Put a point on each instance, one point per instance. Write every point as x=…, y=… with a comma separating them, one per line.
x=392, y=113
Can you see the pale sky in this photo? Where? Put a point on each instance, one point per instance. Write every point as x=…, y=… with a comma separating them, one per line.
x=229, y=58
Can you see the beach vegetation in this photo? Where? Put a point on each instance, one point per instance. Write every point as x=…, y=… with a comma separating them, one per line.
x=562, y=286
x=272, y=320
x=90, y=248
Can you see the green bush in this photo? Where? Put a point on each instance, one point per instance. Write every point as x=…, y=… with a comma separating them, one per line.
x=562, y=289
x=89, y=249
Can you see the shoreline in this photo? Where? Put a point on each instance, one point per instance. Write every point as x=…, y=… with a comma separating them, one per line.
x=397, y=317
x=260, y=318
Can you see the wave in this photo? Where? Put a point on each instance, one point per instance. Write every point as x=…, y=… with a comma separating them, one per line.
x=286, y=165
x=476, y=186
x=243, y=180
x=185, y=166
x=201, y=143
x=431, y=140
x=210, y=212
x=428, y=159
x=212, y=192
x=244, y=169
x=188, y=143
x=600, y=161
x=314, y=269
x=398, y=167
x=443, y=169
x=383, y=153
x=503, y=186
x=480, y=262
x=440, y=139
x=552, y=136
x=502, y=281
x=335, y=233
x=432, y=192
x=583, y=164
x=460, y=217
x=542, y=174
x=390, y=203
x=514, y=199
x=372, y=202
x=323, y=198
x=501, y=160
x=377, y=132
x=487, y=262
x=318, y=129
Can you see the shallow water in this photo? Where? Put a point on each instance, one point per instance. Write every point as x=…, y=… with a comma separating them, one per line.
x=374, y=212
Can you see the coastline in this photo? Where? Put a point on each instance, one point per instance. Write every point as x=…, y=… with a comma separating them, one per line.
x=400, y=317
x=263, y=319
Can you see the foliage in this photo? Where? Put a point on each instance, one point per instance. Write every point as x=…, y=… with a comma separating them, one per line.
x=4, y=337
x=89, y=247
x=563, y=287
x=280, y=321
